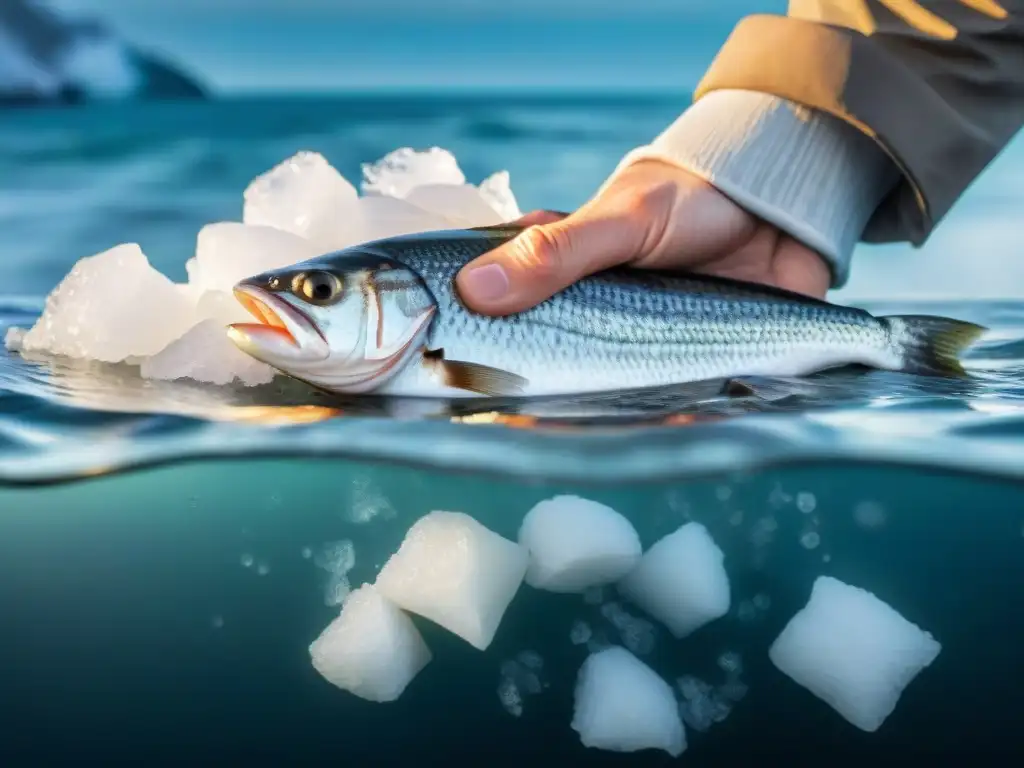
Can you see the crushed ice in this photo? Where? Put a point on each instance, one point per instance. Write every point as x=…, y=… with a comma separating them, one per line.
x=115, y=307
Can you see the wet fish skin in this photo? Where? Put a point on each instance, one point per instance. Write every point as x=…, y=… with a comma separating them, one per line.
x=627, y=328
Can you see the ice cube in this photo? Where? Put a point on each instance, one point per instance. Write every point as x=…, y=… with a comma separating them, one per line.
x=461, y=203
x=206, y=354
x=227, y=252
x=852, y=651
x=681, y=581
x=14, y=338
x=379, y=217
x=110, y=307
x=305, y=196
x=622, y=705
x=455, y=572
x=372, y=649
x=222, y=307
x=576, y=543
x=496, y=190
x=399, y=172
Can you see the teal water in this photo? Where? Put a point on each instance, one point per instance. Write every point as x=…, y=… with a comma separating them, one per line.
x=162, y=544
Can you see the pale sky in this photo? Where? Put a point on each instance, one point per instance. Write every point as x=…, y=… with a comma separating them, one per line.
x=327, y=44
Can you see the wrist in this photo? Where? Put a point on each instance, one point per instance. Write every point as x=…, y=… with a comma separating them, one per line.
x=814, y=177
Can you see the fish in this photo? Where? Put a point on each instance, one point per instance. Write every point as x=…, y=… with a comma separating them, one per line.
x=385, y=318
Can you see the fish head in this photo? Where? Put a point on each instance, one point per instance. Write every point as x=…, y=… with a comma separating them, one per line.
x=345, y=323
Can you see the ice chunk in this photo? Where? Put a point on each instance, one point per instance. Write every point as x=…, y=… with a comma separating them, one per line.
x=455, y=572
x=305, y=196
x=575, y=544
x=372, y=649
x=681, y=581
x=622, y=705
x=496, y=190
x=14, y=339
x=204, y=353
x=461, y=203
x=852, y=651
x=111, y=307
x=222, y=307
x=399, y=172
x=379, y=217
x=227, y=252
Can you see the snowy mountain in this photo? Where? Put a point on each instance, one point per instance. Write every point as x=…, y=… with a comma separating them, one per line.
x=47, y=58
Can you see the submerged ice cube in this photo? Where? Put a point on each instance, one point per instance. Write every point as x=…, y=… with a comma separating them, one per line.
x=399, y=172
x=372, y=649
x=852, y=651
x=455, y=572
x=303, y=195
x=111, y=307
x=681, y=581
x=575, y=544
x=622, y=705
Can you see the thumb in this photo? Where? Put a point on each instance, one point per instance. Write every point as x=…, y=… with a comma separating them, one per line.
x=546, y=258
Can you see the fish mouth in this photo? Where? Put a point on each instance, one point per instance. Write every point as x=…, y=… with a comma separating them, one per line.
x=282, y=330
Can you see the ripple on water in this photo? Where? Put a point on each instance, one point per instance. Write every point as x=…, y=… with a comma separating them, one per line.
x=53, y=407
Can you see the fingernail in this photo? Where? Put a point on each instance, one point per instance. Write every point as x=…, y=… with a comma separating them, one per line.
x=488, y=283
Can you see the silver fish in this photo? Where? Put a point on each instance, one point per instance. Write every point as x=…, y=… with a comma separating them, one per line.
x=385, y=317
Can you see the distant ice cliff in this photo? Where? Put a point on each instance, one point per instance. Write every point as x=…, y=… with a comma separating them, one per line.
x=47, y=58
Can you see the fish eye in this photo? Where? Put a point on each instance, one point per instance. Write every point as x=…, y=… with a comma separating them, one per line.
x=318, y=287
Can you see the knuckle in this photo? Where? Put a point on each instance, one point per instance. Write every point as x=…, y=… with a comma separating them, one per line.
x=541, y=251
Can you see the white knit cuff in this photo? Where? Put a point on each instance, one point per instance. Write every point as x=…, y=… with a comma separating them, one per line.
x=807, y=172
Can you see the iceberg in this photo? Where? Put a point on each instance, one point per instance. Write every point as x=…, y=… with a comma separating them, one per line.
x=47, y=58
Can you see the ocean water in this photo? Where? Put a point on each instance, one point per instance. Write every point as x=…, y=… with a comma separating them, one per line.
x=166, y=548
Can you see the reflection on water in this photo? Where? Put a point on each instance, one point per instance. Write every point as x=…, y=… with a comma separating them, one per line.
x=65, y=418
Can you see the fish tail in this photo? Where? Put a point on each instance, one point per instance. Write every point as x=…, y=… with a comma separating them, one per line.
x=929, y=345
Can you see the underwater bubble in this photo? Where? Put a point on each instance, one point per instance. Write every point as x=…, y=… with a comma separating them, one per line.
x=730, y=662
x=247, y=560
x=810, y=540
x=336, y=589
x=262, y=568
x=510, y=697
x=531, y=660
x=762, y=602
x=746, y=611
x=723, y=493
x=580, y=632
x=336, y=556
x=806, y=502
x=869, y=514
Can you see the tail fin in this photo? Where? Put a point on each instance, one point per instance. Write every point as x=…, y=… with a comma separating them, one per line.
x=931, y=346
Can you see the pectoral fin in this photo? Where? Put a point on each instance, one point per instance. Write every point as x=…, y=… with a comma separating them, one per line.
x=474, y=377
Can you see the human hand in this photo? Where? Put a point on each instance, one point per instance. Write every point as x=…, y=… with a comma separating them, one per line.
x=653, y=215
